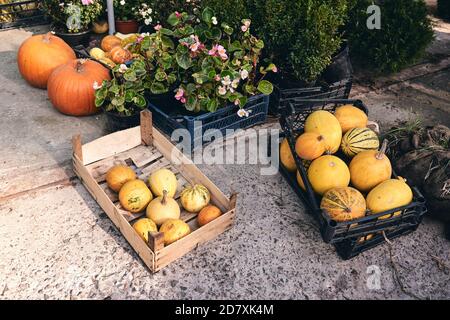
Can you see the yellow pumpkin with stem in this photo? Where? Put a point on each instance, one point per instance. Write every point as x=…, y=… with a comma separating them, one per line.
x=118, y=175
x=370, y=168
x=388, y=195
x=134, y=196
x=310, y=146
x=163, y=179
x=286, y=157
x=327, y=172
x=325, y=124
x=350, y=117
x=162, y=209
x=344, y=204
x=174, y=229
x=143, y=226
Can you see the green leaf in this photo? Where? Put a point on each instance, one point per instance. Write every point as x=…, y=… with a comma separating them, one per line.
x=259, y=44
x=99, y=102
x=183, y=60
x=167, y=42
x=129, y=95
x=158, y=88
x=212, y=105
x=160, y=76
x=207, y=15
x=171, y=78
x=139, y=100
x=173, y=20
x=265, y=87
x=114, y=89
x=227, y=29
x=235, y=46
x=145, y=43
x=130, y=75
x=191, y=103
x=216, y=33
x=166, y=31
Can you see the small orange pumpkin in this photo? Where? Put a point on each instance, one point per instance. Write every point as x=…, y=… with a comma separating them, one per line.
x=70, y=86
x=118, y=175
x=310, y=146
x=39, y=55
x=208, y=214
x=119, y=55
x=110, y=42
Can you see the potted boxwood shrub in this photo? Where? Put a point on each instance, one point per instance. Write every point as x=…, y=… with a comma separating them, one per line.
x=122, y=98
x=129, y=13
x=71, y=20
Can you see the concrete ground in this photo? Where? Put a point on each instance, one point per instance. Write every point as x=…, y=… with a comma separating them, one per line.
x=57, y=243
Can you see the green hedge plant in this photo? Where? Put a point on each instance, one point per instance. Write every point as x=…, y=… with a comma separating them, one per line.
x=405, y=33
x=301, y=36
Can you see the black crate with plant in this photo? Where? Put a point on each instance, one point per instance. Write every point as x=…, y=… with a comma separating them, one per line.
x=123, y=98
x=215, y=66
x=71, y=20
x=304, y=38
x=443, y=9
x=129, y=13
x=404, y=34
x=20, y=13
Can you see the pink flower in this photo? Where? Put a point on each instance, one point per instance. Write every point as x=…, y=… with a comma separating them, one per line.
x=197, y=45
x=177, y=14
x=244, y=28
x=217, y=77
x=158, y=27
x=218, y=50
x=275, y=69
x=180, y=95
x=87, y=2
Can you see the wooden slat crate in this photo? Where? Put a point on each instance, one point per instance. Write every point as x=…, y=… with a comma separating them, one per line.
x=145, y=150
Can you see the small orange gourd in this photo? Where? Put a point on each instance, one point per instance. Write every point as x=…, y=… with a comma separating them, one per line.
x=310, y=146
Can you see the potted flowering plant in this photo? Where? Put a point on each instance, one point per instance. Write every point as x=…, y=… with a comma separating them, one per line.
x=71, y=20
x=222, y=65
x=129, y=13
x=122, y=98
x=219, y=72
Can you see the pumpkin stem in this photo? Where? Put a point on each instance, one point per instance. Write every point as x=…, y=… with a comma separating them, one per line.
x=46, y=37
x=164, y=197
x=79, y=66
x=380, y=154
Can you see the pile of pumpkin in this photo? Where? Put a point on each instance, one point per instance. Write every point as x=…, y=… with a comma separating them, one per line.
x=368, y=171
x=45, y=61
x=114, y=49
x=163, y=211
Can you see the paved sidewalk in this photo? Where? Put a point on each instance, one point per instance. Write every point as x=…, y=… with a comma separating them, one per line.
x=56, y=243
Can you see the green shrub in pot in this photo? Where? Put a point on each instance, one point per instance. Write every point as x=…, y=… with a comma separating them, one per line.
x=405, y=33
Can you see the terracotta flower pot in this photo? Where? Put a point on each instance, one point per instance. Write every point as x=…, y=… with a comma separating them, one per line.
x=125, y=27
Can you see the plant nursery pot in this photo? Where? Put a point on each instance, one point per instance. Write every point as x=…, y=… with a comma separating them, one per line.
x=340, y=67
x=117, y=122
x=74, y=39
x=126, y=27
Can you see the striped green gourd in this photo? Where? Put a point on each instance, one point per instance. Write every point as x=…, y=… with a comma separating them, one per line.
x=357, y=140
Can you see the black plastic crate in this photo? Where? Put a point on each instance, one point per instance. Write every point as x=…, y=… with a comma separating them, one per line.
x=166, y=116
x=282, y=98
x=21, y=14
x=292, y=123
x=350, y=248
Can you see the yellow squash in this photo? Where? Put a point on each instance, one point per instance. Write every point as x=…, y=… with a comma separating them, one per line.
x=118, y=175
x=143, y=226
x=390, y=194
x=163, y=179
x=174, y=229
x=328, y=172
x=195, y=198
x=163, y=208
x=344, y=204
x=134, y=196
x=286, y=157
x=325, y=124
x=350, y=117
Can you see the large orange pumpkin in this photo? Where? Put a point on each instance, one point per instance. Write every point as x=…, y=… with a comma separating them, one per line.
x=110, y=42
x=39, y=55
x=350, y=117
x=70, y=86
x=119, y=55
x=344, y=204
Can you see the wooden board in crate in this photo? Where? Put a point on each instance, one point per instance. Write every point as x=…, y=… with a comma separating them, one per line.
x=145, y=149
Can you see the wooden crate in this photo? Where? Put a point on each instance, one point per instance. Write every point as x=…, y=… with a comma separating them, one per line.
x=145, y=150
